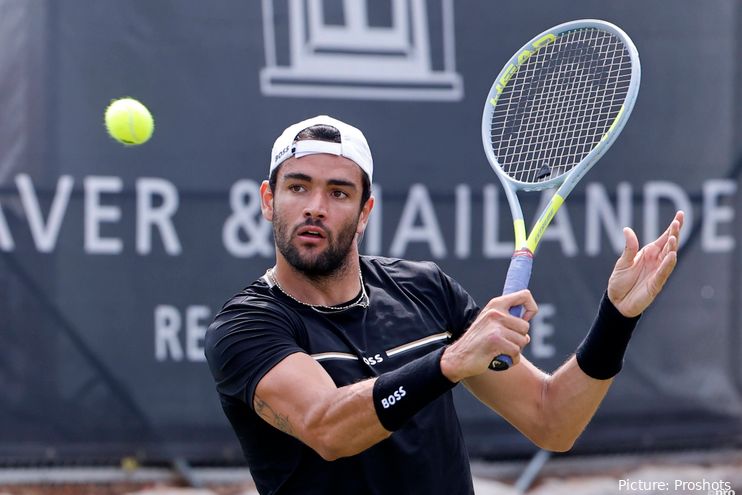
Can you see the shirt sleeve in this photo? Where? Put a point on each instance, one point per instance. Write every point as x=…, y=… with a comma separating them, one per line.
x=244, y=342
x=462, y=309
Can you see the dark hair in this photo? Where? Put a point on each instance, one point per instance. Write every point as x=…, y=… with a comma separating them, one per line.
x=322, y=132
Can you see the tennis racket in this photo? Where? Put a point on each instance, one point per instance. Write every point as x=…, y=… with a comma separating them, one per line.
x=552, y=112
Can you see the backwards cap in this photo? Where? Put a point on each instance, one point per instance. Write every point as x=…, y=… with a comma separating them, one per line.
x=352, y=145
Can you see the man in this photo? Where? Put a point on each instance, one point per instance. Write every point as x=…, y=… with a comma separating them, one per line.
x=335, y=369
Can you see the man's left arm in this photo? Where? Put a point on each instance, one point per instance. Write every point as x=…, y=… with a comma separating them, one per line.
x=553, y=410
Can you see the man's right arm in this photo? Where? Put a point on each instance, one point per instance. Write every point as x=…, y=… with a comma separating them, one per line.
x=298, y=397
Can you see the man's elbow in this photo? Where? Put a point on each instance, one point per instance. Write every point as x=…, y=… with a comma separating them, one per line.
x=329, y=449
x=556, y=445
x=556, y=441
x=328, y=453
x=320, y=435
x=333, y=440
x=332, y=445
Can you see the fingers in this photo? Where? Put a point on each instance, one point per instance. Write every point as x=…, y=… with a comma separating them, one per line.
x=508, y=321
x=677, y=225
x=508, y=334
x=522, y=298
x=494, y=332
x=672, y=230
x=511, y=349
x=663, y=272
x=669, y=256
x=665, y=243
x=630, y=250
x=672, y=244
x=669, y=241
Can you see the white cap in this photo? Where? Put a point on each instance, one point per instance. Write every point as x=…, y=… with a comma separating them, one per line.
x=352, y=145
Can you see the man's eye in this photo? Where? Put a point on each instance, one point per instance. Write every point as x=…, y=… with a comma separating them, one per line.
x=339, y=194
x=296, y=188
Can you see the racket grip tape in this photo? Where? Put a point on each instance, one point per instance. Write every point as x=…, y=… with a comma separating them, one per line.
x=518, y=276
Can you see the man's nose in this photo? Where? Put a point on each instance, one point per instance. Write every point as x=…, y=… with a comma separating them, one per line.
x=317, y=207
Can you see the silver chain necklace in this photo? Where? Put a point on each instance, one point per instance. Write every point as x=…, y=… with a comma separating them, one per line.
x=361, y=301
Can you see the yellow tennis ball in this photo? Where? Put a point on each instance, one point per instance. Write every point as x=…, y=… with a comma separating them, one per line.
x=128, y=121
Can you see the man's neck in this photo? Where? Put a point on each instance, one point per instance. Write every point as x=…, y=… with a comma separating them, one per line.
x=336, y=288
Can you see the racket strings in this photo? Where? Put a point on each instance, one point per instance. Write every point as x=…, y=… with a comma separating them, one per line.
x=560, y=84
x=575, y=116
x=559, y=104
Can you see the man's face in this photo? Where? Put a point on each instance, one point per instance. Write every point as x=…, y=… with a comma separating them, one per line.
x=316, y=212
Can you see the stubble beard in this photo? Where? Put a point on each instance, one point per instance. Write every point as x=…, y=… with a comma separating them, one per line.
x=330, y=261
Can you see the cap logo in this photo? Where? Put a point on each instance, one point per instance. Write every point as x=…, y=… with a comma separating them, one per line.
x=281, y=153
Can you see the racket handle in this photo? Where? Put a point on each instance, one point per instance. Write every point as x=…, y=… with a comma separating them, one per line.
x=501, y=363
x=519, y=274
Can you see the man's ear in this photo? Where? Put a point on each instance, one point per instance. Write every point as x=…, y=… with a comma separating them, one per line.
x=266, y=201
x=365, y=213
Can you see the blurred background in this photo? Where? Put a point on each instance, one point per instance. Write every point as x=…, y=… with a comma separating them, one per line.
x=114, y=259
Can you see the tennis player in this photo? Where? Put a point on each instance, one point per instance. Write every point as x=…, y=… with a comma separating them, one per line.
x=336, y=369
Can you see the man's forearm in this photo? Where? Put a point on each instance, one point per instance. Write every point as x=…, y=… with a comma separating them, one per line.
x=574, y=392
x=340, y=423
x=570, y=400
x=350, y=422
x=396, y=396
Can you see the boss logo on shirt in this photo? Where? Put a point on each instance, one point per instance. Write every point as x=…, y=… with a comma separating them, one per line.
x=394, y=398
x=373, y=360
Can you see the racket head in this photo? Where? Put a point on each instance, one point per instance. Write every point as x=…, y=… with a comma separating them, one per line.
x=558, y=105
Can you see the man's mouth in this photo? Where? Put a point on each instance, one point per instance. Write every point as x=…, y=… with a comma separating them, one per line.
x=311, y=233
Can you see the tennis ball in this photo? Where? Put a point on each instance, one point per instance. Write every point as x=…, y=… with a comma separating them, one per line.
x=129, y=122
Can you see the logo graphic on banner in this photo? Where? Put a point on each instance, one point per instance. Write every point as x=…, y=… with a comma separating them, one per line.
x=360, y=49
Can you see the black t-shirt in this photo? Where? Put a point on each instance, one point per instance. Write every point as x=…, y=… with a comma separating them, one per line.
x=414, y=309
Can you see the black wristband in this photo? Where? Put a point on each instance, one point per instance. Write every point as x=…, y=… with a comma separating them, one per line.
x=601, y=354
x=400, y=394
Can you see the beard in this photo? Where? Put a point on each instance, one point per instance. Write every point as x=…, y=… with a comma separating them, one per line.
x=323, y=264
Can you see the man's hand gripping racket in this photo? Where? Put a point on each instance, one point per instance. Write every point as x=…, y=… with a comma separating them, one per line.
x=554, y=109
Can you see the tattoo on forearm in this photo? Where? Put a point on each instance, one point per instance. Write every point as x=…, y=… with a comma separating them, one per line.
x=266, y=412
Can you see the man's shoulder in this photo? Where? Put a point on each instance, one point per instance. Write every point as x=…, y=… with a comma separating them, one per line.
x=255, y=302
x=399, y=265
x=402, y=269
x=257, y=292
